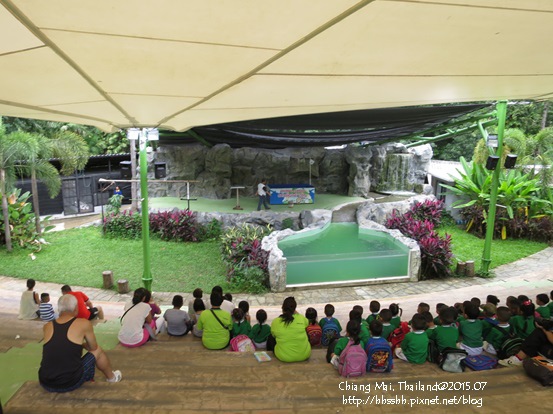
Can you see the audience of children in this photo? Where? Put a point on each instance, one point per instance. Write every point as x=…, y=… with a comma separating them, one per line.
x=460, y=326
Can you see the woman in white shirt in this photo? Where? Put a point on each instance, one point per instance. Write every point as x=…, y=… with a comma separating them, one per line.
x=133, y=333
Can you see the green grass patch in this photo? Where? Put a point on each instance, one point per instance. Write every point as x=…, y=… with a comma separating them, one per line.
x=79, y=256
x=466, y=246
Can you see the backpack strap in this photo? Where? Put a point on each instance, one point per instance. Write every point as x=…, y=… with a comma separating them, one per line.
x=216, y=317
x=121, y=321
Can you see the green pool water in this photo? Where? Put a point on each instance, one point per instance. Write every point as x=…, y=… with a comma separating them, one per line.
x=341, y=252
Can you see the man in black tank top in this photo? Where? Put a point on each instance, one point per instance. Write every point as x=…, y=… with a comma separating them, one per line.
x=63, y=368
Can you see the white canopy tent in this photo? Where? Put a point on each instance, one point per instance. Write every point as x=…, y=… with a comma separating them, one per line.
x=176, y=64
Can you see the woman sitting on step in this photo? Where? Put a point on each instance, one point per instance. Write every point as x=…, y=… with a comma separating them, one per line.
x=288, y=338
x=135, y=322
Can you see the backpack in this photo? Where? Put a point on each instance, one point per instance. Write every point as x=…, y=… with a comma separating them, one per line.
x=510, y=345
x=452, y=359
x=315, y=334
x=396, y=337
x=379, y=357
x=241, y=343
x=434, y=354
x=480, y=362
x=539, y=368
x=330, y=332
x=353, y=361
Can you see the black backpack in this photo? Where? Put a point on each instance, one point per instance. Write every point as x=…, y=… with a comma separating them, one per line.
x=510, y=345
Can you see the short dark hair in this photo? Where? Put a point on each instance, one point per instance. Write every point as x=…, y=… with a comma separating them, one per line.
x=66, y=289
x=427, y=316
x=386, y=315
x=227, y=296
x=245, y=306
x=30, y=283
x=354, y=315
x=359, y=308
x=448, y=315
x=472, y=311
x=216, y=299
x=492, y=299
x=217, y=289
x=503, y=314
x=542, y=297
x=374, y=306
x=476, y=301
x=329, y=310
x=178, y=301
x=44, y=296
x=423, y=306
x=376, y=328
x=418, y=322
x=198, y=305
x=198, y=293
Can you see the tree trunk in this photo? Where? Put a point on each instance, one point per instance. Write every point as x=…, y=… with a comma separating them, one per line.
x=34, y=190
x=544, y=115
x=5, y=211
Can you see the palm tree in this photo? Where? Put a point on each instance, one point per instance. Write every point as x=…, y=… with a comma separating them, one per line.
x=72, y=152
x=13, y=148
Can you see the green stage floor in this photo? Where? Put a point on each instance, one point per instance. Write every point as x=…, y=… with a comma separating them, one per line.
x=249, y=204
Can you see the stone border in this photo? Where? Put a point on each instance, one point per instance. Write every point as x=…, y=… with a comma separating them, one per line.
x=321, y=218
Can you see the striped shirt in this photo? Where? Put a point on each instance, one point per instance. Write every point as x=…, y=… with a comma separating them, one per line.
x=46, y=312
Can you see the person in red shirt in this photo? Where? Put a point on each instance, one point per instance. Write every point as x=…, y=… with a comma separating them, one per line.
x=84, y=305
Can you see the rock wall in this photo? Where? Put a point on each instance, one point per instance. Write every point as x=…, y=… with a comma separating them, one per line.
x=355, y=170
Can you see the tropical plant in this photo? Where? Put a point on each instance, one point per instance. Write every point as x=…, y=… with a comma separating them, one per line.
x=180, y=225
x=241, y=247
x=114, y=204
x=14, y=148
x=21, y=222
x=436, y=254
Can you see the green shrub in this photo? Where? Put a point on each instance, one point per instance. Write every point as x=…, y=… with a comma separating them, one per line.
x=249, y=279
x=210, y=231
x=126, y=225
x=287, y=223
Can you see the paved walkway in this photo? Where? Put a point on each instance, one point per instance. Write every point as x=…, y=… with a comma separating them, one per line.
x=530, y=276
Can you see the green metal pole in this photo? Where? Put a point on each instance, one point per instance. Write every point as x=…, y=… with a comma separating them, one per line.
x=147, y=274
x=490, y=222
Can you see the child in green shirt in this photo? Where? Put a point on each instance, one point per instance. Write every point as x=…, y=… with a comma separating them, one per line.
x=387, y=327
x=446, y=335
x=471, y=330
x=353, y=329
x=240, y=326
x=374, y=307
x=496, y=337
x=543, y=309
x=260, y=331
x=414, y=347
x=396, y=314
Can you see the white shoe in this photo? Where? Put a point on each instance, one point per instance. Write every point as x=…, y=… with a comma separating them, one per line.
x=510, y=362
x=117, y=376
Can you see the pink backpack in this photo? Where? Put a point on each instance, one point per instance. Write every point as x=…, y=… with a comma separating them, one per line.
x=353, y=361
x=242, y=343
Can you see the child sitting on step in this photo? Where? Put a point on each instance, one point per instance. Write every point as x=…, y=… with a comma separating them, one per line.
x=471, y=330
x=396, y=314
x=314, y=331
x=240, y=325
x=374, y=308
x=446, y=335
x=414, y=347
x=178, y=321
x=260, y=331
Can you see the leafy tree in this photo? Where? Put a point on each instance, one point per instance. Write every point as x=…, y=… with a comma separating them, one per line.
x=460, y=146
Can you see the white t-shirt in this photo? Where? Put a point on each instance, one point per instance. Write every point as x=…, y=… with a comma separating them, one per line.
x=227, y=306
x=132, y=325
x=261, y=189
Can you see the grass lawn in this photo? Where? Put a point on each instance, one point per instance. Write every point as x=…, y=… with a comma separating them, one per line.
x=79, y=256
x=466, y=246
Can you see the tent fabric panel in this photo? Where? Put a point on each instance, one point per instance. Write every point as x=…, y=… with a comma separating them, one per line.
x=19, y=36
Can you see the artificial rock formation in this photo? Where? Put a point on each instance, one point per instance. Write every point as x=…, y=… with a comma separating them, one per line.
x=355, y=170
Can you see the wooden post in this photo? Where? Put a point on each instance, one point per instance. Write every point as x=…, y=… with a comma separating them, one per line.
x=107, y=275
x=470, y=268
x=461, y=268
x=123, y=286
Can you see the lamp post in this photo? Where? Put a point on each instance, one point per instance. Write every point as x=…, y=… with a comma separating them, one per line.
x=144, y=135
x=490, y=222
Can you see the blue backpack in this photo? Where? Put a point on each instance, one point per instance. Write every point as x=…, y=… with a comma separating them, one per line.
x=480, y=362
x=330, y=332
x=379, y=356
